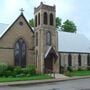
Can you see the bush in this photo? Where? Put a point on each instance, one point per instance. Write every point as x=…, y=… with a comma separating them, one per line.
x=69, y=69
x=24, y=70
x=80, y=69
x=17, y=70
x=88, y=67
x=67, y=73
x=8, y=73
x=3, y=68
x=31, y=69
x=20, y=75
x=28, y=75
x=11, y=68
x=62, y=69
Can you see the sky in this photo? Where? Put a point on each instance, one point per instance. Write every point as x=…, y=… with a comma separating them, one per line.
x=77, y=11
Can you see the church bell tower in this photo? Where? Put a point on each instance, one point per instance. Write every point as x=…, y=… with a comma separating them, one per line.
x=45, y=38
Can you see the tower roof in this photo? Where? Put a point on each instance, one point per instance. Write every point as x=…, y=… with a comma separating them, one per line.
x=44, y=6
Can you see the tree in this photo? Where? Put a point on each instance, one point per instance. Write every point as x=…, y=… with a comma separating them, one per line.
x=31, y=22
x=58, y=23
x=68, y=26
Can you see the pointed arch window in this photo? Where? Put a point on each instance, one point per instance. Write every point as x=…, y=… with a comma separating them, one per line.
x=51, y=19
x=88, y=60
x=36, y=58
x=36, y=21
x=48, y=38
x=45, y=18
x=36, y=38
x=38, y=18
x=69, y=60
x=20, y=53
x=79, y=60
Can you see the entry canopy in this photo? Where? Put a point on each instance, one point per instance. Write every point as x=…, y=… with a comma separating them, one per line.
x=51, y=51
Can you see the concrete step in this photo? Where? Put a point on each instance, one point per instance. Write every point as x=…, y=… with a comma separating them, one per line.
x=58, y=76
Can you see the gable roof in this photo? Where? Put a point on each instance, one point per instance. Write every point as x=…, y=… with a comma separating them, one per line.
x=2, y=28
x=5, y=27
x=73, y=42
x=50, y=49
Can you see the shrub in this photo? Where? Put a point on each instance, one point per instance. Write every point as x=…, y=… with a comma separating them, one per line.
x=8, y=73
x=31, y=69
x=69, y=69
x=17, y=70
x=80, y=69
x=3, y=68
x=11, y=68
x=24, y=70
x=20, y=75
x=67, y=73
x=88, y=67
x=28, y=75
x=62, y=69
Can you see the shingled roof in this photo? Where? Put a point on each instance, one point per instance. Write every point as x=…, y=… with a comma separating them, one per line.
x=73, y=42
x=3, y=28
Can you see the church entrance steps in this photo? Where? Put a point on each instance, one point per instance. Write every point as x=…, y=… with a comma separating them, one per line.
x=58, y=76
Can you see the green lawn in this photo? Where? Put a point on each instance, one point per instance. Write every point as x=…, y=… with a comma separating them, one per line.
x=79, y=73
x=38, y=77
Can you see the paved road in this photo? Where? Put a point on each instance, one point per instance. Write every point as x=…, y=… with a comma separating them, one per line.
x=81, y=84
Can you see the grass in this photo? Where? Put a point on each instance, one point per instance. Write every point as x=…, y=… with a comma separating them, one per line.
x=37, y=77
x=79, y=73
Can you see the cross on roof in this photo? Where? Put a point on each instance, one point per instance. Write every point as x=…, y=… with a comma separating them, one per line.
x=22, y=10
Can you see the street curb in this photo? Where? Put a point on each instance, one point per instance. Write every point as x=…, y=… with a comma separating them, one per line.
x=34, y=82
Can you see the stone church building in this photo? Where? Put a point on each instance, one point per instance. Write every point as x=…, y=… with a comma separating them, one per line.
x=43, y=46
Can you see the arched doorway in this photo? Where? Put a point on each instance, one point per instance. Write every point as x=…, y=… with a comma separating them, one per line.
x=48, y=63
x=20, y=53
x=50, y=60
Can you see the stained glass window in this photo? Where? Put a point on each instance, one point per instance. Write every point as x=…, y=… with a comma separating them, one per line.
x=48, y=38
x=20, y=53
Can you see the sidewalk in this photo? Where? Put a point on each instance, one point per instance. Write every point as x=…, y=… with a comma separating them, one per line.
x=34, y=82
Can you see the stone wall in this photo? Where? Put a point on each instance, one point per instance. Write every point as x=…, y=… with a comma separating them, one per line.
x=74, y=56
x=8, y=40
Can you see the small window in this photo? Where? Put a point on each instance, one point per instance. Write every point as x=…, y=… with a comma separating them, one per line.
x=21, y=23
x=51, y=19
x=88, y=60
x=36, y=38
x=79, y=60
x=36, y=58
x=48, y=38
x=39, y=19
x=69, y=60
x=36, y=21
x=45, y=18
